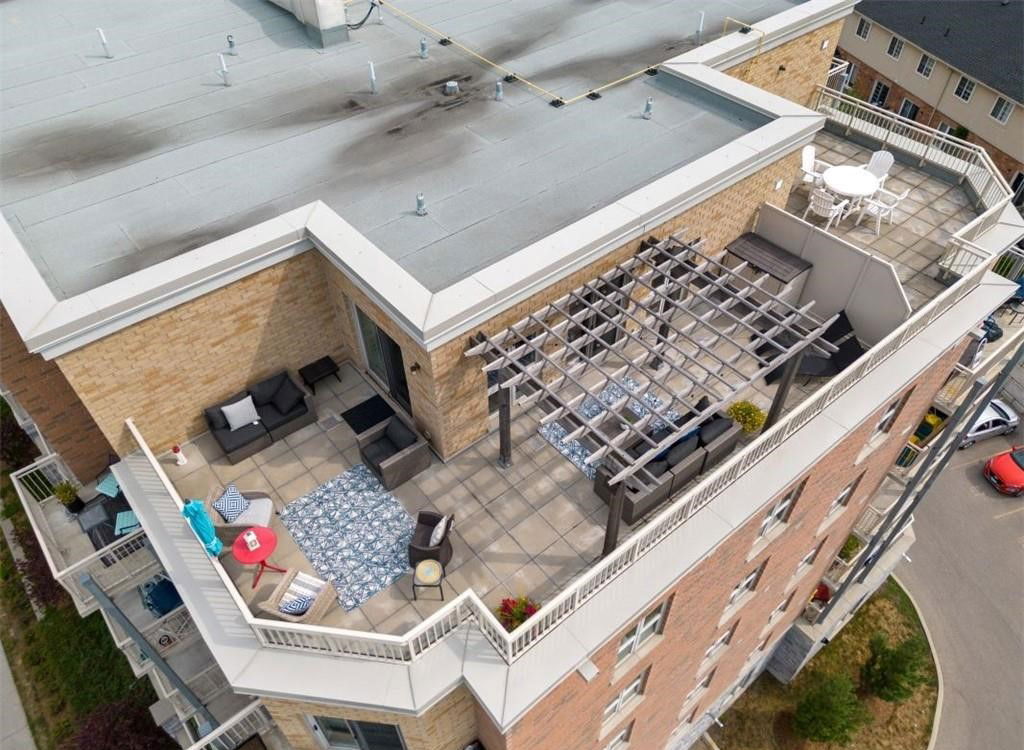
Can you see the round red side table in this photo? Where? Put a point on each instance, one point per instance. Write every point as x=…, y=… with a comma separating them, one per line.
x=268, y=543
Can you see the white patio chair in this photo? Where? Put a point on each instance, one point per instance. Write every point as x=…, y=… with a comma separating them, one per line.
x=879, y=165
x=811, y=168
x=824, y=204
x=881, y=205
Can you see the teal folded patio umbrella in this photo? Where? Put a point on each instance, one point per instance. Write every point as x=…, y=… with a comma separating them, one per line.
x=195, y=512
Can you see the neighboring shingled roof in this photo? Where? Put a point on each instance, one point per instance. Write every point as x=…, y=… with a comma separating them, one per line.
x=982, y=38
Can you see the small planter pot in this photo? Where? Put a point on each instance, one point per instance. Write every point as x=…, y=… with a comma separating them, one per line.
x=75, y=506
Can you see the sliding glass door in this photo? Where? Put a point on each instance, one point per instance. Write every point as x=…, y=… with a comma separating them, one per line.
x=384, y=359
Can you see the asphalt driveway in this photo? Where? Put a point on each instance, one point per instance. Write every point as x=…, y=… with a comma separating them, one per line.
x=967, y=577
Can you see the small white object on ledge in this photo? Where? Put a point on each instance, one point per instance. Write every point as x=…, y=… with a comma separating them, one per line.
x=179, y=455
x=250, y=540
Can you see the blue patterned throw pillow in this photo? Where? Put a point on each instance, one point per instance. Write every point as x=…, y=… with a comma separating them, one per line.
x=231, y=504
x=297, y=606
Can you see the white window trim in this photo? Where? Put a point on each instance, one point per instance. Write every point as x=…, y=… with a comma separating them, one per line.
x=866, y=25
x=842, y=500
x=781, y=510
x=895, y=41
x=635, y=636
x=1009, y=109
x=907, y=100
x=871, y=94
x=621, y=740
x=743, y=592
x=626, y=698
x=808, y=560
x=930, y=67
x=703, y=685
x=968, y=87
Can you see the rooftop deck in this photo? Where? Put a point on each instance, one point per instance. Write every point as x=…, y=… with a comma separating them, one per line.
x=147, y=155
x=933, y=211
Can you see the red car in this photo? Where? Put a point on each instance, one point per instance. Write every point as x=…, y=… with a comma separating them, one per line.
x=1005, y=471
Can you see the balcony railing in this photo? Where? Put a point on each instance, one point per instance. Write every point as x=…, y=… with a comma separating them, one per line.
x=251, y=720
x=837, y=75
x=116, y=566
x=207, y=684
x=468, y=607
x=174, y=629
x=967, y=161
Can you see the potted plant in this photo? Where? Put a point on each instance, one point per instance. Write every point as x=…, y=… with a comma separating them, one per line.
x=747, y=415
x=67, y=493
x=513, y=612
x=849, y=548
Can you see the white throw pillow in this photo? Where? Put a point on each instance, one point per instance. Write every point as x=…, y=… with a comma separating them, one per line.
x=438, y=533
x=240, y=413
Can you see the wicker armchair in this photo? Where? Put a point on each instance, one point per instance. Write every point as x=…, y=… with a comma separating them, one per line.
x=317, y=610
x=419, y=547
x=259, y=513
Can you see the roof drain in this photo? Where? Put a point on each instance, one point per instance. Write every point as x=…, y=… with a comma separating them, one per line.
x=451, y=88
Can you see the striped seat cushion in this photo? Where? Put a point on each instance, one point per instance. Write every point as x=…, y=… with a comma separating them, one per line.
x=301, y=594
x=296, y=606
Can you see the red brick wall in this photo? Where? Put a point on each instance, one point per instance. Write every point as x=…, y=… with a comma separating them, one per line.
x=43, y=391
x=700, y=597
x=865, y=79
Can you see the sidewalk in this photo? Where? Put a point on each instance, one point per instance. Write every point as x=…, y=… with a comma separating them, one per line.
x=14, y=731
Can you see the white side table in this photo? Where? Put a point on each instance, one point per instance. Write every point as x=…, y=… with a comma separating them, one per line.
x=428, y=574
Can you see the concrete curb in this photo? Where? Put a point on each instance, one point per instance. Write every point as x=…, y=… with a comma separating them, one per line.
x=935, y=657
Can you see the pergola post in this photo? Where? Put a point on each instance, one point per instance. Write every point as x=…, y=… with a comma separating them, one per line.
x=505, y=427
x=789, y=372
x=611, y=532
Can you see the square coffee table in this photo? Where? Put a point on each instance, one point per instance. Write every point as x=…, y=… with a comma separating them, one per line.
x=317, y=371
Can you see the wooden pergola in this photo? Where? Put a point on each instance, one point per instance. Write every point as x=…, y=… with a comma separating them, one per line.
x=637, y=358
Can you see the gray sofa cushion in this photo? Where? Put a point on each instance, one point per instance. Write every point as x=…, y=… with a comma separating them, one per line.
x=682, y=449
x=215, y=418
x=273, y=417
x=400, y=435
x=714, y=430
x=288, y=396
x=232, y=440
x=378, y=451
x=263, y=392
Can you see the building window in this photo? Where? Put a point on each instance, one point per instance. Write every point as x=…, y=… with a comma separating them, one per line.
x=621, y=740
x=879, y=93
x=808, y=559
x=643, y=631
x=909, y=110
x=895, y=48
x=783, y=606
x=843, y=498
x=762, y=647
x=703, y=685
x=1017, y=186
x=925, y=66
x=863, y=28
x=721, y=642
x=944, y=127
x=891, y=413
x=964, y=88
x=780, y=510
x=345, y=734
x=1002, y=109
x=851, y=75
x=747, y=585
x=625, y=698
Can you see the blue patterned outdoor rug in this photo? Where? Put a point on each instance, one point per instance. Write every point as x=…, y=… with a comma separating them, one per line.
x=354, y=532
x=573, y=450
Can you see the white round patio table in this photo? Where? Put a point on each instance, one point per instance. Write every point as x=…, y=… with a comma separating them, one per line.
x=850, y=182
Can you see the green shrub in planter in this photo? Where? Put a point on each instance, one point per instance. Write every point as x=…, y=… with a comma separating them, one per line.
x=747, y=415
x=66, y=492
x=849, y=548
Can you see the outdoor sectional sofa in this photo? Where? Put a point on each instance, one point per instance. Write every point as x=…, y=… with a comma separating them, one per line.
x=273, y=423
x=695, y=454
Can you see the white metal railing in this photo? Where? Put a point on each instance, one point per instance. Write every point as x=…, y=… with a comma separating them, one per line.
x=20, y=415
x=907, y=460
x=512, y=645
x=251, y=720
x=969, y=162
x=118, y=564
x=165, y=635
x=207, y=684
x=837, y=75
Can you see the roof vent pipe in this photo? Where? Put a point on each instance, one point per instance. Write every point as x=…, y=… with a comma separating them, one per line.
x=648, y=112
x=424, y=52
x=103, y=41
x=421, y=205
x=231, y=46
x=451, y=88
x=373, y=78
x=499, y=91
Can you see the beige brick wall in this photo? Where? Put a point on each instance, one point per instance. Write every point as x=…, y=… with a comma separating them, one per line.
x=806, y=65
x=164, y=370
x=448, y=725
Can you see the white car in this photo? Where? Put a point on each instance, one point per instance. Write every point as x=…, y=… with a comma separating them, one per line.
x=997, y=419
